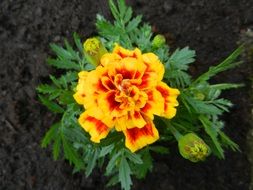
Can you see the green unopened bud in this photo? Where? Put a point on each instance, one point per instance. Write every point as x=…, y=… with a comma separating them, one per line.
x=193, y=148
x=93, y=50
x=199, y=96
x=158, y=41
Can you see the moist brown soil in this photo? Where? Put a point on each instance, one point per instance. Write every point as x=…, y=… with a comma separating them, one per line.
x=212, y=28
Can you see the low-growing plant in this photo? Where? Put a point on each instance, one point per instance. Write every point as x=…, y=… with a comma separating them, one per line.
x=123, y=90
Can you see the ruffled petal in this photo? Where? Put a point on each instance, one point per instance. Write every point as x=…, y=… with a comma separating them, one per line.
x=128, y=68
x=97, y=113
x=109, y=105
x=154, y=65
x=170, y=99
x=89, y=84
x=109, y=58
x=122, y=52
x=94, y=82
x=107, y=83
x=96, y=128
x=132, y=120
x=154, y=104
x=137, y=138
x=79, y=96
x=93, y=86
x=148, y=81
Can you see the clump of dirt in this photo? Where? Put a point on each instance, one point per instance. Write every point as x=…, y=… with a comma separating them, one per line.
x=212, y=28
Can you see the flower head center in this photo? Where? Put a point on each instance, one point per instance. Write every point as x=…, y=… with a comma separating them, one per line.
x=125, y=85
x=198, y=151
x=129, y=96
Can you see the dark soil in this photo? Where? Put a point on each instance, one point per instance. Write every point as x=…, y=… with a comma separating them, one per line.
x=212, y=28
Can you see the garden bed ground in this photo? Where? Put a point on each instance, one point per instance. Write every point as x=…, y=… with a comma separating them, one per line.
x=212, y=28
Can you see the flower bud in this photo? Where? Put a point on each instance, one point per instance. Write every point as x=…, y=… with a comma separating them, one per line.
x=93, y=50
x=199, y=96
x=193, y=148
x=158, y=41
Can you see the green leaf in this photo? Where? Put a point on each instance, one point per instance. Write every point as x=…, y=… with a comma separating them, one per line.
x=51, y=105
x=211, y=131
x=63, y=64
x=135, y=158
x=92, y=162
x=57, y=147
x=61, y=52
x=128, y=14
x=78, y=42
x=177, y=78
x=114, y=10
x=89, y=67
x=159, y=149
x=198, y=106
x=47, y=89
x=112, y=138
x=62, y=82
x=107, y=30
x=50, y=135
x=74, y=54
x=53, y=96
x=162, y=53
x=222, y=104
x=66, y=98
x=55, y=81
x=106, y=150
x=69, y=118
x=180, y=59
x=113, y=181
x=228, y=63
x=71, y=154
x=142, y=37
x=225, y=86
x=112, y=163
x=122, y=8
x=227, y=141
x=125, y=174
x=133, y=24
x=141, y=170
x=177, y=65
x=75, y=134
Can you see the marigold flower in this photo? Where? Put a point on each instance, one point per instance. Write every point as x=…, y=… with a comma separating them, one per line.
x=125, y=92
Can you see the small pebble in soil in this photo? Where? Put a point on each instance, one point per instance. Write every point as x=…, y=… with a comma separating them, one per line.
x=168, y=6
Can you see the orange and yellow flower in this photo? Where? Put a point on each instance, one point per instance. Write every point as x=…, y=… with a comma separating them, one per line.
x=124, y=93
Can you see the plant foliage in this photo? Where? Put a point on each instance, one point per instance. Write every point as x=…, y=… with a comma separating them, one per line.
x=199, y=111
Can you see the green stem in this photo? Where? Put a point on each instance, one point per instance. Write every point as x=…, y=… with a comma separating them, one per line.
x=173, y=130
